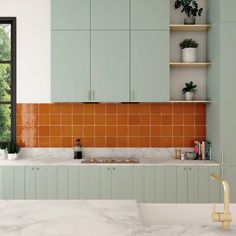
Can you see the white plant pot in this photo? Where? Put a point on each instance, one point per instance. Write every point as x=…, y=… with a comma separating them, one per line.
x=189, y=55
x=189, y=96
x=12, y=156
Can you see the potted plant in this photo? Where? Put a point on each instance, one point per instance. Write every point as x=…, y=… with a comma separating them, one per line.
x=189, y=91
x=191, y=9
x=13, y=151
x=189, y=50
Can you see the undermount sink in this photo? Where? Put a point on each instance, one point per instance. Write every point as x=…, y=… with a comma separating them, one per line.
x=115, y=160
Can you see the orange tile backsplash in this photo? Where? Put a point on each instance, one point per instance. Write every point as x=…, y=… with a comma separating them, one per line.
x=110, y=125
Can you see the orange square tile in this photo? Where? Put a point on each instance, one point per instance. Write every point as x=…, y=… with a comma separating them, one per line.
x=156, y=119
x=178, y=108
x=200, y=119
x=111, y=131
x=156, y=141
x=100, y=131
x=89, y=119
x=122, y=108
x=67, y=108
x=167, y=131
x=78, y=120
x=178, y=142
x=43, y=131
x=55, y=141
x=200, y=131
x=29, y=141
x=167, y=120
x=18, y=108
x=122, y=141
x=43, y=108
x=66, y=131
x=122, y=119
x=19, y=130
x=100, y=142
x=134, y=142
x=145, y=131
x=189, y=120
x=178, y=120
x=55, y=120
x=133, y=120
x=100, y=109
x=32, y=109
x=167, y=108
x=144, y=119
x=89, y=131
x=200, y=109
x=178, y=130
x=88, y=142
x=156, y=131
x=111, y=141
x=188, y=141
x=145, y=108
x=43, y=120
x=19, y=141
x=122, y=130
x=89, y=108
x=189, y=131
x=67, y=119
x=145, y=142
x=55, y=109
x=19, y=120
x=156, y=108
x=67, y=142
x=189, y=109
x=111, y=108
x=111, y=120
x=133, y=109
x=55, y=131
x=78, y=108
x=167, y=142
x=78, y=131
x=133, y=131
x=43, y=141
x=100, y=120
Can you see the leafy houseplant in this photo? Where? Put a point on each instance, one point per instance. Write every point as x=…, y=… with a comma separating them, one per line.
x=189, y=50
x=13, y=150
x=191, y=9
x=189, y=90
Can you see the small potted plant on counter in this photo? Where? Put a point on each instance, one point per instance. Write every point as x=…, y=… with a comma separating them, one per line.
x=191, y=9
x=189, y=50
x=189, y=91
x=13, y=151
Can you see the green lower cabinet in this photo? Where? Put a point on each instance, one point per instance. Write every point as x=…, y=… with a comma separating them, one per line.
x=62, y=182
x=230, y=176
x=52, y=191
x=139, y=183
x=149, y=184
x=74, y=184
x=171, y=184
x=106, y=182
x=160, y=185
x=30, y=188
x=19, y=182
x=1, y=182
x=40, y=183
x=8, y=183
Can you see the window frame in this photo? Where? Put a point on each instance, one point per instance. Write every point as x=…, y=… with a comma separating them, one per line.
x=12, y=62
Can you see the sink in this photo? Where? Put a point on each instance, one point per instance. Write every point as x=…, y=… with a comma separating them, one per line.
x=110, y=160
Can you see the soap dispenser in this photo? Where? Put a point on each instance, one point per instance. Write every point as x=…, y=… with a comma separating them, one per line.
x=77, y=150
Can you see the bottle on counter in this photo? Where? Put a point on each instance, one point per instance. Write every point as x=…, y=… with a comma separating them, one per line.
x=77, y=150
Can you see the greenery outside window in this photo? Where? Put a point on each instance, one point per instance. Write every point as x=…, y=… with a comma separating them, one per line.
x=7, y=79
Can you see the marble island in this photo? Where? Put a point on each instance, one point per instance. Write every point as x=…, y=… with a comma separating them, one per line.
x=87, y=218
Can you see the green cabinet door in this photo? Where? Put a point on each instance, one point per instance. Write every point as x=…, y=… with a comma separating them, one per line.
x=70, y=66
x=70, y=15
x=74, y=184
x=150, y=14
x=62, y=182
x=19, y=180
x=8, y=182
x=110, y=66
x=150, y=70
x=109, y=14
x=193, y=184
x=227, y=9
x=139, y=183
x=149, y=184
x=106, y=182
x=160, y=185
x=30, y=188
x=171, y=184
x=1, y=182
x=182, y=184
x=41, y=183
x=52, y=182
x=90, y=182
x=230, y=176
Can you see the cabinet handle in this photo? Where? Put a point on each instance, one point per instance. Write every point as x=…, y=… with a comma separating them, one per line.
x=184, y=168
x=190, y=168
x=32, y=168
x=108, y=168
x=114, y=168
x=37, y=168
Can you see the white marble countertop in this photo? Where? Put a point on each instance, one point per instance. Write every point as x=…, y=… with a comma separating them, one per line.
x=87, y=218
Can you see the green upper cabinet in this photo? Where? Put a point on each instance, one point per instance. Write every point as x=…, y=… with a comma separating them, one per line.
x=150, y=72
x=110, y=14
x=70, y=14
x=110, y=66
x=227, y=8
x=150, y=14
x=70, y=66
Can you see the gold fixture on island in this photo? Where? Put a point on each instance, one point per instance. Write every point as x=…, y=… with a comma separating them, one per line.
x=224, y=217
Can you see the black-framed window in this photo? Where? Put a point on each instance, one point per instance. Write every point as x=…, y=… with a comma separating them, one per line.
x=7, y=79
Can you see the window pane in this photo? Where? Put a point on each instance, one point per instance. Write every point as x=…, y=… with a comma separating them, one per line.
x=5, y=123
x=5, y=42
x=5, y=82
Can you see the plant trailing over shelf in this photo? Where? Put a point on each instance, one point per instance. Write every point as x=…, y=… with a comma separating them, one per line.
x=188, y=43
x=191, y=9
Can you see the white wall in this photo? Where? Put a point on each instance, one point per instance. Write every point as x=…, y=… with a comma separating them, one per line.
x=33, y=48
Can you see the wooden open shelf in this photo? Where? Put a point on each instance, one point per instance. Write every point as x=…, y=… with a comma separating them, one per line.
x=195, y=101
x=184, y=28
x=195, y=64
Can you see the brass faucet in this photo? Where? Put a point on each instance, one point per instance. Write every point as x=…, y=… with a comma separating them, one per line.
x=224, y=217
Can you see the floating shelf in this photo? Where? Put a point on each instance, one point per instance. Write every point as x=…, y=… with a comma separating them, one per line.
x=184, y=28
x=196, y=101
x=195, y=64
